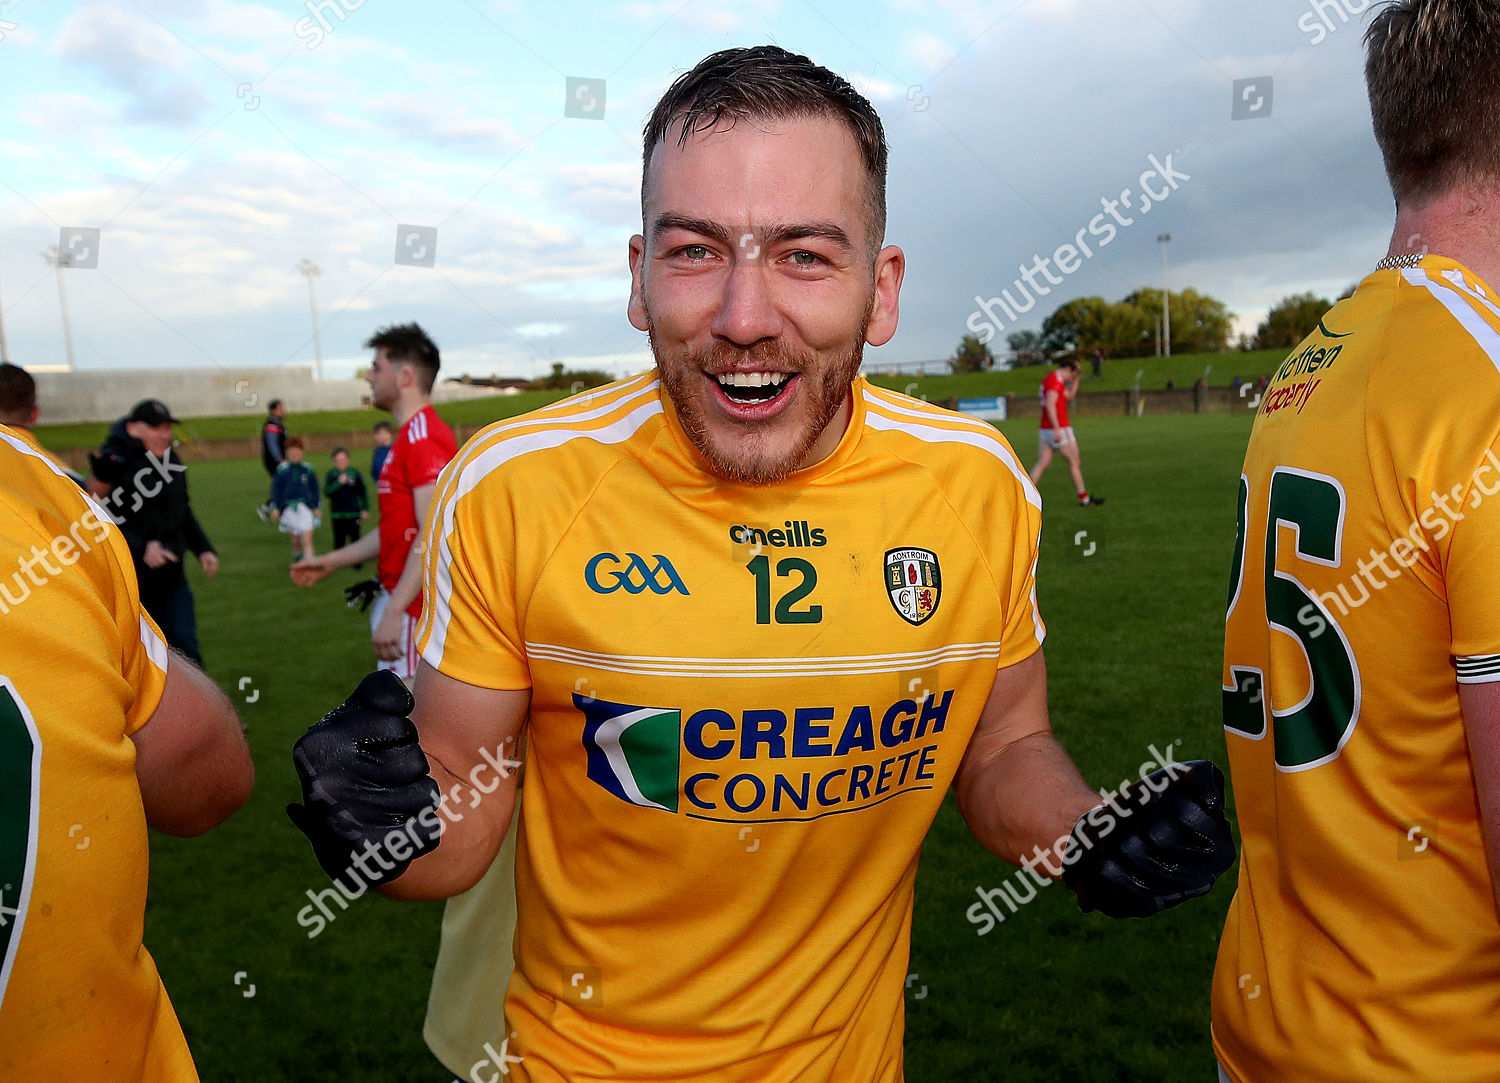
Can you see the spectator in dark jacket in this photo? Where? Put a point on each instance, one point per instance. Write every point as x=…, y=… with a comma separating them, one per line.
x=295, y=501
x=144, y=487
x=348, y=502
x=272, y=448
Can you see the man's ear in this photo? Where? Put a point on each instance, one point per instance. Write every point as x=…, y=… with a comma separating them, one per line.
x=636, y=309
x=885, y=311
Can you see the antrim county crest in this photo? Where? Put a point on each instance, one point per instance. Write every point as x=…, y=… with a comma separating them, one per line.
x=914, y=582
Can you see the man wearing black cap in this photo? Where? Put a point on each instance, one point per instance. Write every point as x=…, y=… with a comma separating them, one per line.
x=144, y=487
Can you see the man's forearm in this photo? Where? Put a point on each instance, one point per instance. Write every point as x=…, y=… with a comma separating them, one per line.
x=1025, y=797
x=470, y=840
x=410, y=584
x=356, y=552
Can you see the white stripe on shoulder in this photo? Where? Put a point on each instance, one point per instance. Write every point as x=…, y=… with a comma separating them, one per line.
x=622, y=389
x=1460, y=301
x=88, y=498
x=438, y=609
x=156, y=650
x=974, y=435
x=545, y=415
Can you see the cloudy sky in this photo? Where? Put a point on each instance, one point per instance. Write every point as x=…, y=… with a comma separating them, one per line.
x=215, y=144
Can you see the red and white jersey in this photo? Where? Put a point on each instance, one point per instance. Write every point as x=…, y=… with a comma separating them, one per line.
x=421, y=449
x=1054, y=381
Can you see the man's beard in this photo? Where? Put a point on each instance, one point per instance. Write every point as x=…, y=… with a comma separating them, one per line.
x=751, y=461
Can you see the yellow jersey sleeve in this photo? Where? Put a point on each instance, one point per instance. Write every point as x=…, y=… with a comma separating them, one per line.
x=80, y=669
x=468, y=624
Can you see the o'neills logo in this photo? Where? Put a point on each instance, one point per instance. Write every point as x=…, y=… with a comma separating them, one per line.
x=793, y=534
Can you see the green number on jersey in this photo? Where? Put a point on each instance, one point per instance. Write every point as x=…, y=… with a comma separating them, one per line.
x=20, y=768
x=760, y=567
x=1312, y=732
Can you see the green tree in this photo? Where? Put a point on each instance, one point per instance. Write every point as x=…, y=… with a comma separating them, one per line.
x=1291, y=320
x=1086, y=324
x=972, y=355
x=1026, y=348
x=560, y=379
x=1200, y=323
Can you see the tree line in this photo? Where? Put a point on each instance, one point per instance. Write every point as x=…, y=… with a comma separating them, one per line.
x=1130, y=327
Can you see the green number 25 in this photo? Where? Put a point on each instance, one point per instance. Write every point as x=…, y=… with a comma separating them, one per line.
x=20, y=769
x=1314, y=731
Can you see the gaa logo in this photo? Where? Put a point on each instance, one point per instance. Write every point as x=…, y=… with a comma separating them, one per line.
x=606, y=573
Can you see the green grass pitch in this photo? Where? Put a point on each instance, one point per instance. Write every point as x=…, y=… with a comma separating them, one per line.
x=1135, y=634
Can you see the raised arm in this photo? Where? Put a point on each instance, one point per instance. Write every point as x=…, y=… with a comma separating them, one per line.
x=412, y=800
x=472, y=739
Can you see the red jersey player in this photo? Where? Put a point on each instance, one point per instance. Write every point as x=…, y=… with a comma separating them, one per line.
x=401, y=378
x=1058, y=388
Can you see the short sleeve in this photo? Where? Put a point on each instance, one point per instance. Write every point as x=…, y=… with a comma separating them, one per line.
x=143, y=648
x=1015, y=536
x=1471, y=575
x=470, y=628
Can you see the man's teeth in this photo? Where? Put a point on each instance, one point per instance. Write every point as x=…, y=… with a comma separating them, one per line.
x=753, y=379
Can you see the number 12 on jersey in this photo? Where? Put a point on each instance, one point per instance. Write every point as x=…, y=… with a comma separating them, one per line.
x=786, y=613
x=1312, y=732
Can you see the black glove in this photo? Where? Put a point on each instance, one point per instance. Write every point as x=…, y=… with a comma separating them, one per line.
x=1171, y=847
x=364, y=776
x=362, y=594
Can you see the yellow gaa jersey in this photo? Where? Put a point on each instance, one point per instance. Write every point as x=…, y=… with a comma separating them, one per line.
x=747, y=706
x=1362, y=942
x=81, y=668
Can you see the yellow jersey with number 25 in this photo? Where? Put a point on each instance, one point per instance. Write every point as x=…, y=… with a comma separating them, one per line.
x=1362, y=942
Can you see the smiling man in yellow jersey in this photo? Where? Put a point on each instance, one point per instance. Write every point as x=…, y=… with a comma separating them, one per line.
x=756, y=617
x=103, y=733
x=1362, y=652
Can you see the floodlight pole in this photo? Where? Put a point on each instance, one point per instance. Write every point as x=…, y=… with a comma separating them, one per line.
x=311, y=270
x=60, y=260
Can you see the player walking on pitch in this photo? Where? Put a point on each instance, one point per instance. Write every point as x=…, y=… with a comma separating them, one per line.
x=703, y=593
x=401, y=376
x=1058, y=388
x=1362, y=652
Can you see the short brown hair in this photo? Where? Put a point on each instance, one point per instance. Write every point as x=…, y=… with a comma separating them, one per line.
x=767, y=82
x=17, y=395
x=294, y=442
x=408, y=344
x=1433, y=72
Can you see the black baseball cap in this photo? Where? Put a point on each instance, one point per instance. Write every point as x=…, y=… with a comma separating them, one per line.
x=153, y=412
